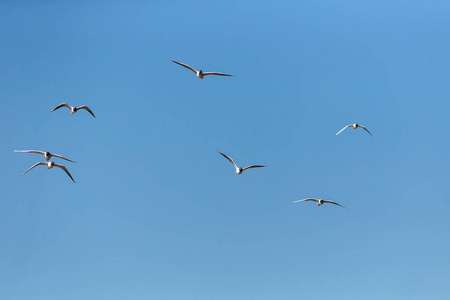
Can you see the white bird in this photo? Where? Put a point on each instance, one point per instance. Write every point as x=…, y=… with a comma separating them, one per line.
x=50, y=165
x=319, y=201
x=47, y=155
x=74, y=109
x=356, y=125
x=200, y=73
x=240, y=170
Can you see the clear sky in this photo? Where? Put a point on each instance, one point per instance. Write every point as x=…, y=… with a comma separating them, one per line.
x=157, y=213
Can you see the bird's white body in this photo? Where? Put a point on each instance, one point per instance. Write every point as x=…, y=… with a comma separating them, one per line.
x=200, y=74
x=238, y=171
x=47, y=156
x=50, y=165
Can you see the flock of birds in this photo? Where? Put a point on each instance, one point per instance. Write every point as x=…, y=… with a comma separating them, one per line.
x=200, y=74
x=48, y=155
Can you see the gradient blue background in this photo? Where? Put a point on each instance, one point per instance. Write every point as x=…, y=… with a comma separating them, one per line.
x=158, y=213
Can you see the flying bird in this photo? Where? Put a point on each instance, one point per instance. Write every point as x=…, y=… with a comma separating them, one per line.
x=200, y=73
x=50, y=165
x=356, y=125
x=47, y=155
x=319, y=201
x=240, y=170
x=74, y=109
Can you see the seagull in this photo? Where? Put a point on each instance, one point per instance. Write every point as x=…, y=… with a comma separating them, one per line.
x=47, y=155
x=319, y=201
x=200, y=73
x=356, y=125
x=240, y=170
x=50, y=165
x=74, y=109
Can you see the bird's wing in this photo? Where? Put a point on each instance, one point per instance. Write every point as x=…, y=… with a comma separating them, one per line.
x=186, y=66
x=365, y=129
x=332, y=202
x=65, y=169
x=215, y=73
x=31, y=151
x=61, y=105
x=86, y=108
x=35, y=165
x=62, y=157
x=343, y=129
x=253, y=166
x=230, y=159
x=307, y=199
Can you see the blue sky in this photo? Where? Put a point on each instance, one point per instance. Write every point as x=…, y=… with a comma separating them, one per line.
x=158, y=213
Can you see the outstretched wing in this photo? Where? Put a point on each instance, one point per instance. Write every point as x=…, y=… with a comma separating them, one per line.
x=253, y=166
x=186, y=66
x=35, y=165
x=343, y=129
x=307, y=199
x=61, y=105
x=62, y=157
x=230, y=159
x=31, y=151
x=332, y=202
x=86, y=108
x=65, y=169
x=365, y=129
x=215, y=73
